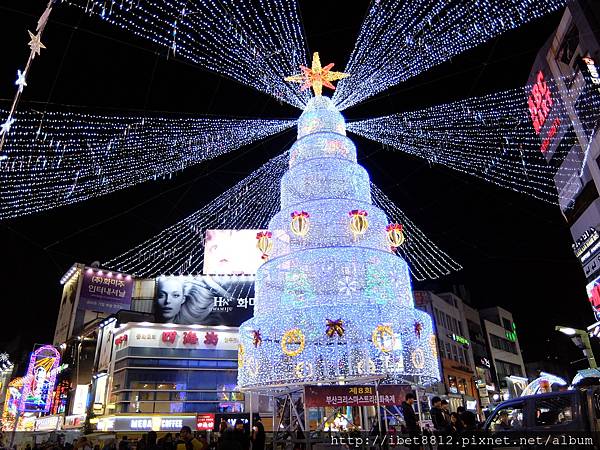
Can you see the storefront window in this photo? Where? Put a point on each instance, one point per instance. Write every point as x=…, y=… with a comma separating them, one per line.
x=462, y=386
x=452, y=384
x=178, y=391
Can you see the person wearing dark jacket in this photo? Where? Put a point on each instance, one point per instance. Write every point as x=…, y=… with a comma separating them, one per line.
x=258, y=435
x=437, y=416
x=240, y=435
x=411, y=420
x=229, y=441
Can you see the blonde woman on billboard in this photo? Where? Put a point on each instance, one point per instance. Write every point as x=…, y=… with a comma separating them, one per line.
x=186, y=300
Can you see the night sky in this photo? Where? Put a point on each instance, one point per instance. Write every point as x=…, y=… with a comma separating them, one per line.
x=516, y=251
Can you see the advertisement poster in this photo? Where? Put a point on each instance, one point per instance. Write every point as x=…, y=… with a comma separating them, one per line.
x=64, y=324
x=106, y=339
x=593, y=292
x=231, y=252
x=105, y=292
x=204, y=300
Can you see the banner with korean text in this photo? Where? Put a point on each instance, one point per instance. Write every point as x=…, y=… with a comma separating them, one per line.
x=106, y=292
x=355, y=395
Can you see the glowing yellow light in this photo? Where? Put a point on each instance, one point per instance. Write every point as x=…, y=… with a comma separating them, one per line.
x=317, y=76
x=293, y=337
x=383, y=338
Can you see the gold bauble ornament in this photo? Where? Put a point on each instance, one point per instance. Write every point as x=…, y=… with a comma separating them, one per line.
x=383, y=338
x=295, y=338
x=358, y=222
x=300, y=223
x=264, y=242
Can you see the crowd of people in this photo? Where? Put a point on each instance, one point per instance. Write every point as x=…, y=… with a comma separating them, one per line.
x=237, y=437
x=445, y=423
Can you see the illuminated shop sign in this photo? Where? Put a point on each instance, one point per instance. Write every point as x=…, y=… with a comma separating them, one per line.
x=48, y=423
x=593, y=71
x=587, y=244
x=182, y=337
x=460, y=339
x=146, y=423
x=551, y=133
x=81, y=398
x=539, y=102
x=154, y=423
x=105, y=291
x=485, y=362
x=511, y=334
x=74, y=421
x=205, y=421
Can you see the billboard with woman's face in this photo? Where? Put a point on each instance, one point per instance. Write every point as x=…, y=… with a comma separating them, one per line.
x=204, y=299
x=231, y=252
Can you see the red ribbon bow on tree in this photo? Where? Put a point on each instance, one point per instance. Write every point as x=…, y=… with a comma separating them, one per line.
x=335, y=327
x=300, y=214
x=418, y=329
x=256, y=338
x=394, y=226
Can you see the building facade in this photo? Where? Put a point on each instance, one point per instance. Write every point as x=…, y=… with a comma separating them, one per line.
x=567, y=129
x=503, y=347
x=454, y=347
x=149, y=353
x=484, y=381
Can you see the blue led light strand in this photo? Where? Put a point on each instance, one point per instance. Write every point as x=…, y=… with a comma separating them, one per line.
x=493, y=138
x=179, y=249
x=57, y=158
x=257, y=43
x=400, y=39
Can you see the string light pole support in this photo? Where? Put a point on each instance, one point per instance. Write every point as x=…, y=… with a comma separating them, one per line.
x=35, y=46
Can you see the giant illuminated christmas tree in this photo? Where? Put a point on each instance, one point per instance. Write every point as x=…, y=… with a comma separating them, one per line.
x=333, y=299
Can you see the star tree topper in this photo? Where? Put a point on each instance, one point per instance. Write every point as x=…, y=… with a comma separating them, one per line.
x=317, y=76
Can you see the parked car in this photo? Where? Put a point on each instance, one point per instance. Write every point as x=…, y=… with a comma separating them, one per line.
x=566, y=415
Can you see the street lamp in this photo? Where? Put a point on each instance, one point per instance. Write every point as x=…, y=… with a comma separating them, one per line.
x=582, y=340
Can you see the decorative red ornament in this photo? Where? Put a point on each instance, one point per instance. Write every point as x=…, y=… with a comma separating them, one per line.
x=211, y=338
x=358, y=212
x=358, y=222
x=335, y=327
x=189, y=337
x=169, y=336
x=418, y=329
x=264, y=243
x=300, y=223
x=120, y=340
x=300, y=214
x=395, y=235
x=256, y=338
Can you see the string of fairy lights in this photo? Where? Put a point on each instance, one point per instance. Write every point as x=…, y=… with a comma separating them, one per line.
x=255, y=43
x=425, y=259
x=179, y=249
x=56, y=158
x=400, y=39
x=250, y=204
x=493, y=138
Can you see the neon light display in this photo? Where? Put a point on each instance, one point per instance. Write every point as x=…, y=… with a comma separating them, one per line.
x=551, y=133
x=40, y=380
x=11, y=403
x=593, y=71
x=539, y=102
